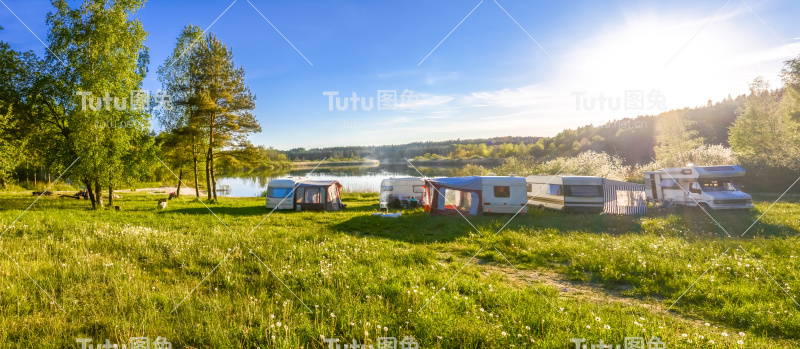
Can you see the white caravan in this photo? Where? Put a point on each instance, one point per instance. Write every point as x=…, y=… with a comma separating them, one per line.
x=401, y=189
x=474, y=195
x=566, y=193
x=280, y=192
x=707, y=186
x=504, y=194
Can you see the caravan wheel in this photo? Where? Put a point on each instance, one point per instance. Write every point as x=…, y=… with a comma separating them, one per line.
x=704, y=206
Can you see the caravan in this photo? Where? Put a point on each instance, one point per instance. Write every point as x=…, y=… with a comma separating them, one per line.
x=397, y=192
x=586, y=194
x=280, y=192
x=566, y=193
x=705, y=186
x=302, y=194
x=475, y=195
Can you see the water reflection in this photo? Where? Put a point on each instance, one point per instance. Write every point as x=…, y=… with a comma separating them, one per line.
x=353, y=178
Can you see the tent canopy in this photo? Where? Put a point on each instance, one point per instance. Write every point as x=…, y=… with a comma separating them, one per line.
x=319, y=183
x=318, y=195
x=456, y=194
x=460, y=183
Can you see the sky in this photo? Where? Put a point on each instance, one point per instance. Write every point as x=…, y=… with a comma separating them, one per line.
x=426, y=70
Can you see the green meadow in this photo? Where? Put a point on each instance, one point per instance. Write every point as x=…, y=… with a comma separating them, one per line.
x=293, y=279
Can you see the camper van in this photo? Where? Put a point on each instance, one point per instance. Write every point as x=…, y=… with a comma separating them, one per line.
x=476, y=194
x=394, y=191
x=280, y=192
x=711, y=187
x=566, y=193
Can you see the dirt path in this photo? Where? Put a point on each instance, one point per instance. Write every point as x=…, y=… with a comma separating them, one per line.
x=588, y=292
x=162, y=190
x=571, y=289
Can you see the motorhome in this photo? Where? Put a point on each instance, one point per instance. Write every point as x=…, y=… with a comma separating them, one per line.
x=586, y=194
x=711, y=187
x=280, y=192
x=475, y=195
x=397, y=192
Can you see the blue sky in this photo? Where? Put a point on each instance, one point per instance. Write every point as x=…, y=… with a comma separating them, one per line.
x=511, y=68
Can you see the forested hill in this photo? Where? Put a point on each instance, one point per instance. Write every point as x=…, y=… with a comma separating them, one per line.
x=632, y=139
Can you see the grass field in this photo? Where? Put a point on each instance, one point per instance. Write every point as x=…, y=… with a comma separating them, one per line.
x=300, y=277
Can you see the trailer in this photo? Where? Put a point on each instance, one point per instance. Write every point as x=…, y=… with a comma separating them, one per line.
x=709, y=187
x=475, y=195
x=280, y=192
x=586, y=194
x=566, y=193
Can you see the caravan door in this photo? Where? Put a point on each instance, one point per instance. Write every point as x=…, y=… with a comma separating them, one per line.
x=464, y=201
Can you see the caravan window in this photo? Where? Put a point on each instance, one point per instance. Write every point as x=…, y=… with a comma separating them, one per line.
x=502, y=191
x=554, y=189
x=584, y=190
x=718, y=185
x=387, y=188
x=419, y=188
x=279, y=192
x=668, y=183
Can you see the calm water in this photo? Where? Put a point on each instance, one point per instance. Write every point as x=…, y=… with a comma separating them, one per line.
x=352, y=178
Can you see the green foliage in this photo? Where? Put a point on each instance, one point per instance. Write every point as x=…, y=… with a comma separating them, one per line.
x=469, y=170
x=11, y=148
x=587, y=163
x=764, y=135
x=711, y=155
x=97, y=48
x=675, y=139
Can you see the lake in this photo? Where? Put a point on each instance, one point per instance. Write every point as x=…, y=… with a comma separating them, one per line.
x=353, y=178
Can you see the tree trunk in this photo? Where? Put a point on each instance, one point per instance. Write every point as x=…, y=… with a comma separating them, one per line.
x=110, y=196
x=210, y=161
x=180, y=180
x=98, y=192
x=91, y=193
x=196, y=180
x=213, y=176
x=208, y=177
x=3, y=182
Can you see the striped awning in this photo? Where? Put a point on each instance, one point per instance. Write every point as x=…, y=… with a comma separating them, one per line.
x=624, y=197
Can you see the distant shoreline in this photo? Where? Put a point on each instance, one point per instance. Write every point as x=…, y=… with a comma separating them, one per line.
x=312, y=164
x=422, y=162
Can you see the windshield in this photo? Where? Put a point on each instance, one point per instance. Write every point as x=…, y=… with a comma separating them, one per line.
x=718, y=185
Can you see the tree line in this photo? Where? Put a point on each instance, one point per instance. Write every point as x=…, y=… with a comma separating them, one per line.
x=759, y=131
